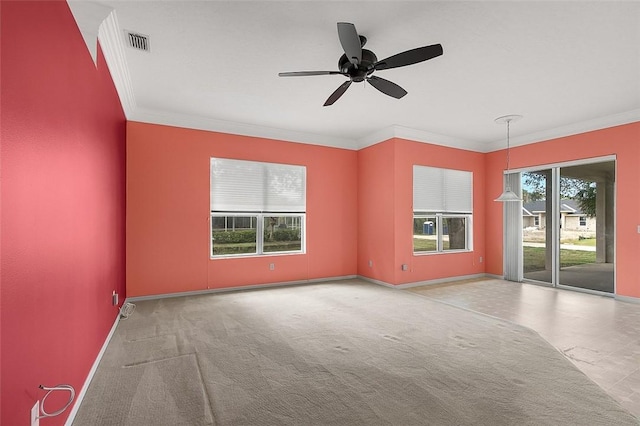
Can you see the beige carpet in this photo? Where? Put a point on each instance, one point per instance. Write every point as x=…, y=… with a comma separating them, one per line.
x=344, y=353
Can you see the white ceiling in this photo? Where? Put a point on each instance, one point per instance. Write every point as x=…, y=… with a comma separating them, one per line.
x=566, y=67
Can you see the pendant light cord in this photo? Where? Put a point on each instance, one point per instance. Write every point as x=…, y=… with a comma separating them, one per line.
x=508, y=149
x=508, y=194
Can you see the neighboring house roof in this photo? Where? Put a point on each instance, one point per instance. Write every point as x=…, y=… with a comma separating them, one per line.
x=566, y=206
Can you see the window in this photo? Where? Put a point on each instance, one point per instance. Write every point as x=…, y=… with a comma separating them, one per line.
x=536, y=220
x=583, y=221
x=257, y=208
x=442, y=210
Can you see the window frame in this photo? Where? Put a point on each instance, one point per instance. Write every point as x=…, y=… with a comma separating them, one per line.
x=253, y=217
x=442, y=193
x=260, y=229
x=439, y=228
x=260, y=204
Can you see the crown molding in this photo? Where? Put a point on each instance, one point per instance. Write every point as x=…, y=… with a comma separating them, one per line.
x=88, y=17
x=236, y=128
x=416, y=135
x=378, y=136
x=110, y=37
x=599, y=123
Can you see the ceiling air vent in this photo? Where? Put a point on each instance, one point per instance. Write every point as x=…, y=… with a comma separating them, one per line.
x=138, y=41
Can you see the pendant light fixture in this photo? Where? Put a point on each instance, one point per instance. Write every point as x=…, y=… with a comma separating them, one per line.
x=508, y=194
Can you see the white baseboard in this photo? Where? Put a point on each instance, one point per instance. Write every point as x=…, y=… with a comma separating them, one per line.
x=626, y=298
x=494, y=276
x=371, y=280
x=429, y=282
x=239, y=288
x=92, y=372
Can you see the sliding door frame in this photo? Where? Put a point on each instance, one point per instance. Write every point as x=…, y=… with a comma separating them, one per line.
x=555, y=226
x=512, y=228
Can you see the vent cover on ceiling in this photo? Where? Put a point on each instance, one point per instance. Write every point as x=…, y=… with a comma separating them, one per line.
x=138, y=41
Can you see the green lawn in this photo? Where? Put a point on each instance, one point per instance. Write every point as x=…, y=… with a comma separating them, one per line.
x=421, y=244
x=534, y=258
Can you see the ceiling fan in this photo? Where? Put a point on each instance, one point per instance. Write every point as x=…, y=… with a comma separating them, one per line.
x=358, y=64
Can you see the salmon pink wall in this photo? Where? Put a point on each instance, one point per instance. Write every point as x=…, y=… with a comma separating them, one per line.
x=168, y=211
x=376, y=212
x=435, y=266
x=385, y=212
x=622, y=141
x=63, y=194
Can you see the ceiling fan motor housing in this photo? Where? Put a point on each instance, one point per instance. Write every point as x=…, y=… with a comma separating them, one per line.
x=358, y=72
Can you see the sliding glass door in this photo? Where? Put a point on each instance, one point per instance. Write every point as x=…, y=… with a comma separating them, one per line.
x=538, y=225
x=586, y=213
x=567, y=226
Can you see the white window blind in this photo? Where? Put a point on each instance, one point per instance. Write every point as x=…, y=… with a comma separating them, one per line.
x=442, y=190
x=250, y=186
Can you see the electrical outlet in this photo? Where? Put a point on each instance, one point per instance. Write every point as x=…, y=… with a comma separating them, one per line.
x=480, y=259
x=35, y=412
x=114, y=298
x=272, y=266
x=371, y=264
x=405, y=267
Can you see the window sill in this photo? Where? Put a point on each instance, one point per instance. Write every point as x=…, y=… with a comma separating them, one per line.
x=431, y=253
x=254, y=256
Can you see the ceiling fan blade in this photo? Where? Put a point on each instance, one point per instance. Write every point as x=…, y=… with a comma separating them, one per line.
x=339, y=92
x=409, y=57
x=307, y=73
x=350, y=42
x=387, y=87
